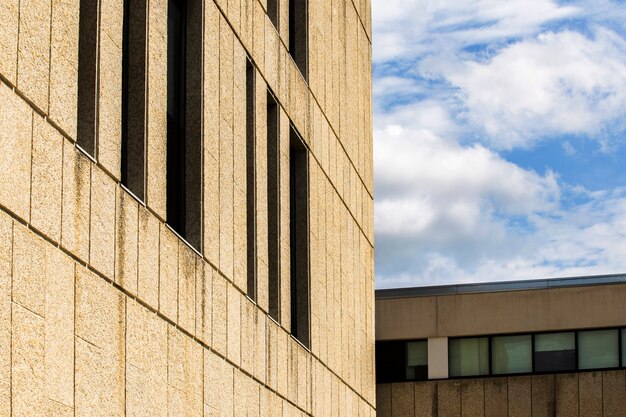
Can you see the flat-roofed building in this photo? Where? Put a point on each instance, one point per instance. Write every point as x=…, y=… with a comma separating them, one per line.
x=552, y=347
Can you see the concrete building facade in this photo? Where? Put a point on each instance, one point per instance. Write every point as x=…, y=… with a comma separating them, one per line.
x=524, y=348
x=186, y=211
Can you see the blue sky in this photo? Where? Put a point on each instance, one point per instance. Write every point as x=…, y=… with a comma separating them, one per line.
x=499, y=139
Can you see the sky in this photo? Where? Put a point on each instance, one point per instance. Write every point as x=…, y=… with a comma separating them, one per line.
x=499, y=140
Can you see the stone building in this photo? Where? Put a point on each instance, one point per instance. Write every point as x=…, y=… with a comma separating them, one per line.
x=186, y=212
x=539, y=348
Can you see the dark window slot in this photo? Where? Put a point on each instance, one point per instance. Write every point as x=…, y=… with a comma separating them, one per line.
x=272, y=12
x=251, y=180
x=184, y=129
x=87, y=123
x=298, y=33
x=273, y=206
x=299, y=238
x=134, y=51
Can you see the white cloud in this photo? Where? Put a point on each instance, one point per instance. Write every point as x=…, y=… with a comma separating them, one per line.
x=556, y=83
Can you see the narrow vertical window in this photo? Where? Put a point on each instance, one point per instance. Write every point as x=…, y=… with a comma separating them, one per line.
x=87, y=116
x=298, y=28
x=134, y=96
x=299, y=237
x=251, y=179
x=184, y=109
x=273, y=206
x=272, y=11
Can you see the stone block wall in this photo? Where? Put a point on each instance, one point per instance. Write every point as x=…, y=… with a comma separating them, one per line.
x=103, y=309
x=583, y=394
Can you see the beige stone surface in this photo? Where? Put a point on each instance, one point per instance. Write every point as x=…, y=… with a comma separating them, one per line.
x=156, y=142
x=64, y=65
x=590, y=394
x=15, y=153
x=126, y=241
x=6, y=261
x=496, y=400
x=9, y=23
x=204, y=302
x=220, y=317
x=59, y=327
x=29, y=271
x=76, y=202
x=168, y=273
x=184, y=375
x=34, y=51
x=543, y=395
x=519, y=396
x=47, y=168
x=234, y=325
x=102, y=223
x=613, y=393
x=146, y=362
x=100, y=380
x=27, y=363
x=186, y=288
x=566, y=393
x=148, y=252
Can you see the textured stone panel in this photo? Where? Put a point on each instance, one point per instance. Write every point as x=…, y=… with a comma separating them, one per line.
x=59, y=327
x=472, y=398
x=519, y=396
x=496, y=400
x=146, y=362
x=9, y=15
x=204, y=301
x=34, y=51
x=76, y=201
x=184, y=374
x=186, y=288
x=425, y=399
x=27, y=360
x=102, y=223
x=126, y=241
x=168, y=273
x=566, y=393
x=15, y=153
x=100, y=380
x=220, y=318
x=590, y=394
x=156, y=141
x=6, y=264
x=148, y=254
x=449, y=398
x=64, y=65
x=46, y=176
x=29, y=269
x=100, y=313
x=613, y=394
x=543, y=396
x=234, y=325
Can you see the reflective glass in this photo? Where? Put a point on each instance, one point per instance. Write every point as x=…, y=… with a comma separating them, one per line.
x=598, y=349
x=511, y=354
x=417, y=360
x=555, y=352
x=623, y=347
x=468, y=356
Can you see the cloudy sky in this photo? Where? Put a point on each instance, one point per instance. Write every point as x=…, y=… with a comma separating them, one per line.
x=500, y=139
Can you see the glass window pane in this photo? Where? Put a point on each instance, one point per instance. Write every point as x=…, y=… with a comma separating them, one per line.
x=598, y=349
x=417, y=360
x=511, y=354
x=623, y=347
x=555, y=352
x=469, y=356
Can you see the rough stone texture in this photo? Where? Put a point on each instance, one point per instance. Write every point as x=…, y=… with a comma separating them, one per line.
x=566, y=392
x=590, y=394
x=102, y=223
x=496, y=400
x=543, y=396
x=148, y=252
x=15, y=153
x=449, y=397
x=6, y=261
x=168, y=274
x=110, y=85
x=472, y=398
x=46, y=176
x=402, y=399
x=186, y=288
x=156, y=142
x=9, y=16
x=64, y=65
x=126, y=241
x=613, y=393
x=184, y=375
x=425, y=399
x=234, y=325
x=76, y=202
x=519, y=396
x=34, y=51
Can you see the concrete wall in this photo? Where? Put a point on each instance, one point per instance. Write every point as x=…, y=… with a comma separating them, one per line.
x=501, y=312
x=584, y=394
x=105, y=311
